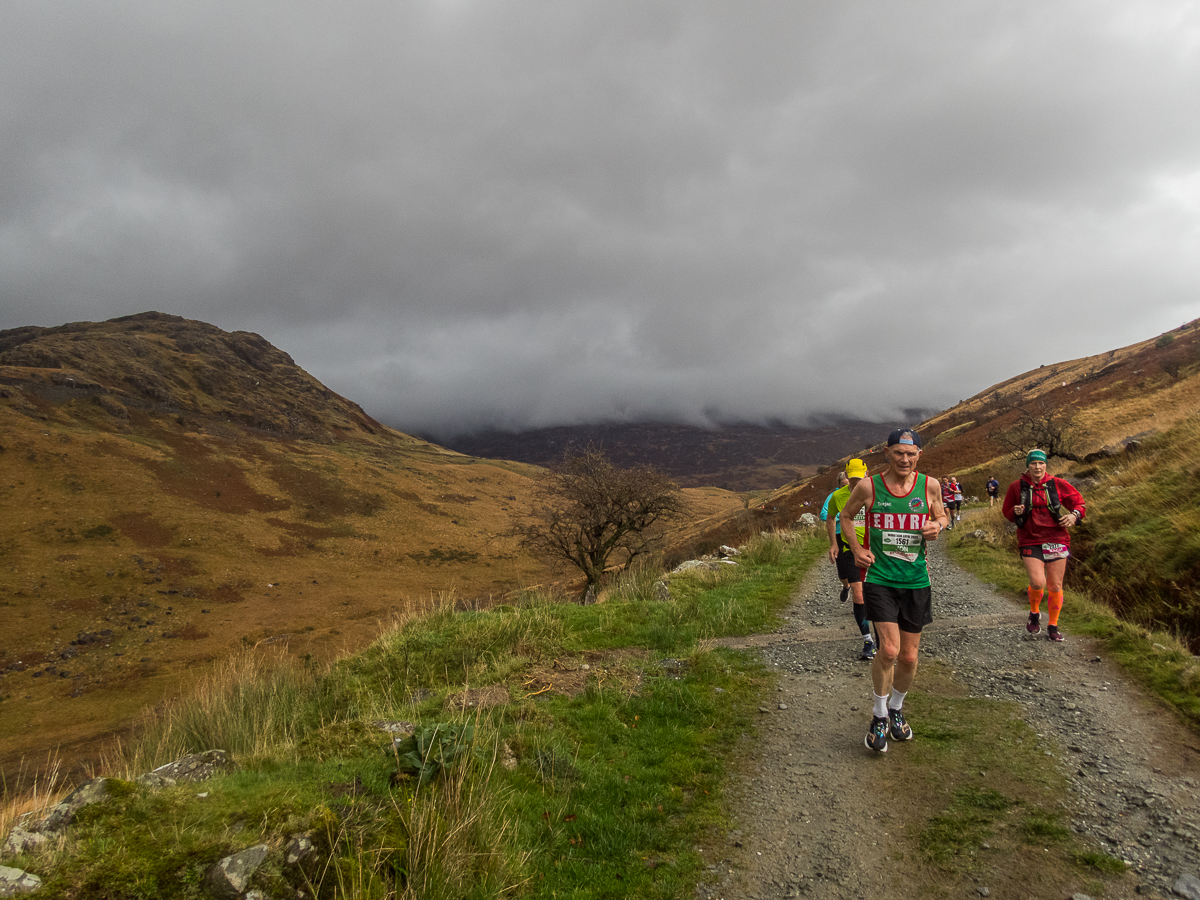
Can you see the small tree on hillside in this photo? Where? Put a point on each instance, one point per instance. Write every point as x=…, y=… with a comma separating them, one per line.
x=1046, y=427
x=588, y=511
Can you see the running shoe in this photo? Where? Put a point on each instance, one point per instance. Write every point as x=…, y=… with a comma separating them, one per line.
x=845, y=594
x=868, y=650
x=876, y=738
x=1034, y=625
x=897, y=727
x=1054, y=634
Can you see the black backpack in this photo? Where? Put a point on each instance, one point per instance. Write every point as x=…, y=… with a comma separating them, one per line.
x=1052, y=504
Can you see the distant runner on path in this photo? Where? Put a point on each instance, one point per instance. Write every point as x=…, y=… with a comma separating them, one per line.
x=1043, y=507
x=903, y=510
x=948, y=499
x=842, y=557
x=993, y=491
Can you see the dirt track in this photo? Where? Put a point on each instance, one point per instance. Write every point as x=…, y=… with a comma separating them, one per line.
x=807, y=827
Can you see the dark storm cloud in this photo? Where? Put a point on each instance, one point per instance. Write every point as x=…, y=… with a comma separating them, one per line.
x=463, y=213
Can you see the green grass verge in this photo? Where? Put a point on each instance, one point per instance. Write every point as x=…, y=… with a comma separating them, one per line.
x=595, y=773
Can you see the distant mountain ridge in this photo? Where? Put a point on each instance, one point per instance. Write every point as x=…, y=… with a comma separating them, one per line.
x=734, y=457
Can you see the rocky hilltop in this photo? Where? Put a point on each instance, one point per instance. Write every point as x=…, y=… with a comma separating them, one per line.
x=166, y=365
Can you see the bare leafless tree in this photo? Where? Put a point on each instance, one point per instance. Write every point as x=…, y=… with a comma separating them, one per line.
x=588, y=511
x=1043, y=426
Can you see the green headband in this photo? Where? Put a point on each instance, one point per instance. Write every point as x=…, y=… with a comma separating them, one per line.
x=1035, y=456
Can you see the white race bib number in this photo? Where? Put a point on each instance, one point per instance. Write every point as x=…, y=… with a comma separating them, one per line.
x=903, y=545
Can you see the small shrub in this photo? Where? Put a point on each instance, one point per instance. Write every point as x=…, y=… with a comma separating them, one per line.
x=1101, y=862
x=433, y=750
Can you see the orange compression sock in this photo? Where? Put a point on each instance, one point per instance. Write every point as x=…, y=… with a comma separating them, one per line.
x=1054, y=602
x=1035, y=598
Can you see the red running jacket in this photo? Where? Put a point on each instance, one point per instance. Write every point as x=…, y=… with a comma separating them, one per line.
x=1040, y=527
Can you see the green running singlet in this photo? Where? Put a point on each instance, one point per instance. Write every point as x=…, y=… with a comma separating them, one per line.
x=894, y=535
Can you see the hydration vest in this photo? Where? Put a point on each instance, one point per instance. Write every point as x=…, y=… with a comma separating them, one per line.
x=1052, y=504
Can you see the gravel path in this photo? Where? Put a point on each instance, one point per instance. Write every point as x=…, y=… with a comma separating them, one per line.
x=807, y=827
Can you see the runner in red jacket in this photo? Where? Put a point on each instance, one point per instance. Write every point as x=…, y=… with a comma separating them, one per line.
x=1043, y=508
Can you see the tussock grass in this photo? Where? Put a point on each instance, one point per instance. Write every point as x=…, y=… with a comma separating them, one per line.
x=253, y=703
x=637, y=583
x=31, y=795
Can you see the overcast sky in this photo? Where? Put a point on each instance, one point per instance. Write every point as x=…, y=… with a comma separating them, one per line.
x=466, y=213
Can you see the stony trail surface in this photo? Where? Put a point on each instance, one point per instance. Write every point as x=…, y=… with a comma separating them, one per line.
x=807, y=827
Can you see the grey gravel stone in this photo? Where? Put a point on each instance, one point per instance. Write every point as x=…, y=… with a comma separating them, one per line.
x=14, y=882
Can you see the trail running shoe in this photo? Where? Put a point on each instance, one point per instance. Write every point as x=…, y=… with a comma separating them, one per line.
x=1034, y=625
x=868, y=650
x=876, y=738
x=1054, y=634
x=897, y=727
x=845, y=594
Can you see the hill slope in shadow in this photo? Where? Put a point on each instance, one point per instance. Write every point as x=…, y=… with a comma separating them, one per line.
x=734, y=457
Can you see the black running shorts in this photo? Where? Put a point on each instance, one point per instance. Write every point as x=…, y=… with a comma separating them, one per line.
x=847, y=568
x=910, y=608
x=1046, y=552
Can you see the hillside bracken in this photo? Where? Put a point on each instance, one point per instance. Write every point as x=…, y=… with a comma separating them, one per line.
x=1139, y=548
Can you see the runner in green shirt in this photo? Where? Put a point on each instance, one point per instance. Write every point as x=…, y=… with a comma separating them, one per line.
x=903, y=510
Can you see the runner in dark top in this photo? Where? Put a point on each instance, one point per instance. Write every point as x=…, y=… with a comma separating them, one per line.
x=1042, y=536
x=993, y=490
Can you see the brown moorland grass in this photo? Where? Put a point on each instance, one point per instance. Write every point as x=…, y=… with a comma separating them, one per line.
x=136, y=562
x=162, y=516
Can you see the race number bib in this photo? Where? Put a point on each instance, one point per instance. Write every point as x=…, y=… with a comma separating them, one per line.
x=1055, y=551
x=904, y=545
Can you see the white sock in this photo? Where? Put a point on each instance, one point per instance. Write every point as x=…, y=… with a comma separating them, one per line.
x=880, y=705
x=896, y=701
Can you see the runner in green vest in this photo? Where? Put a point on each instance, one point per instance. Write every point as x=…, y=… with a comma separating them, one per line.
x=904, y=510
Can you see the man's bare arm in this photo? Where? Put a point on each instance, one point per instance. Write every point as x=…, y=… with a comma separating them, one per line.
x=938, y=518
x=862, y=494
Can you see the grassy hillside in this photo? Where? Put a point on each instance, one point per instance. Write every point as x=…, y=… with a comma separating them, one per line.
x=175, y=493
x=1133, y=391
x=1139, y=549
